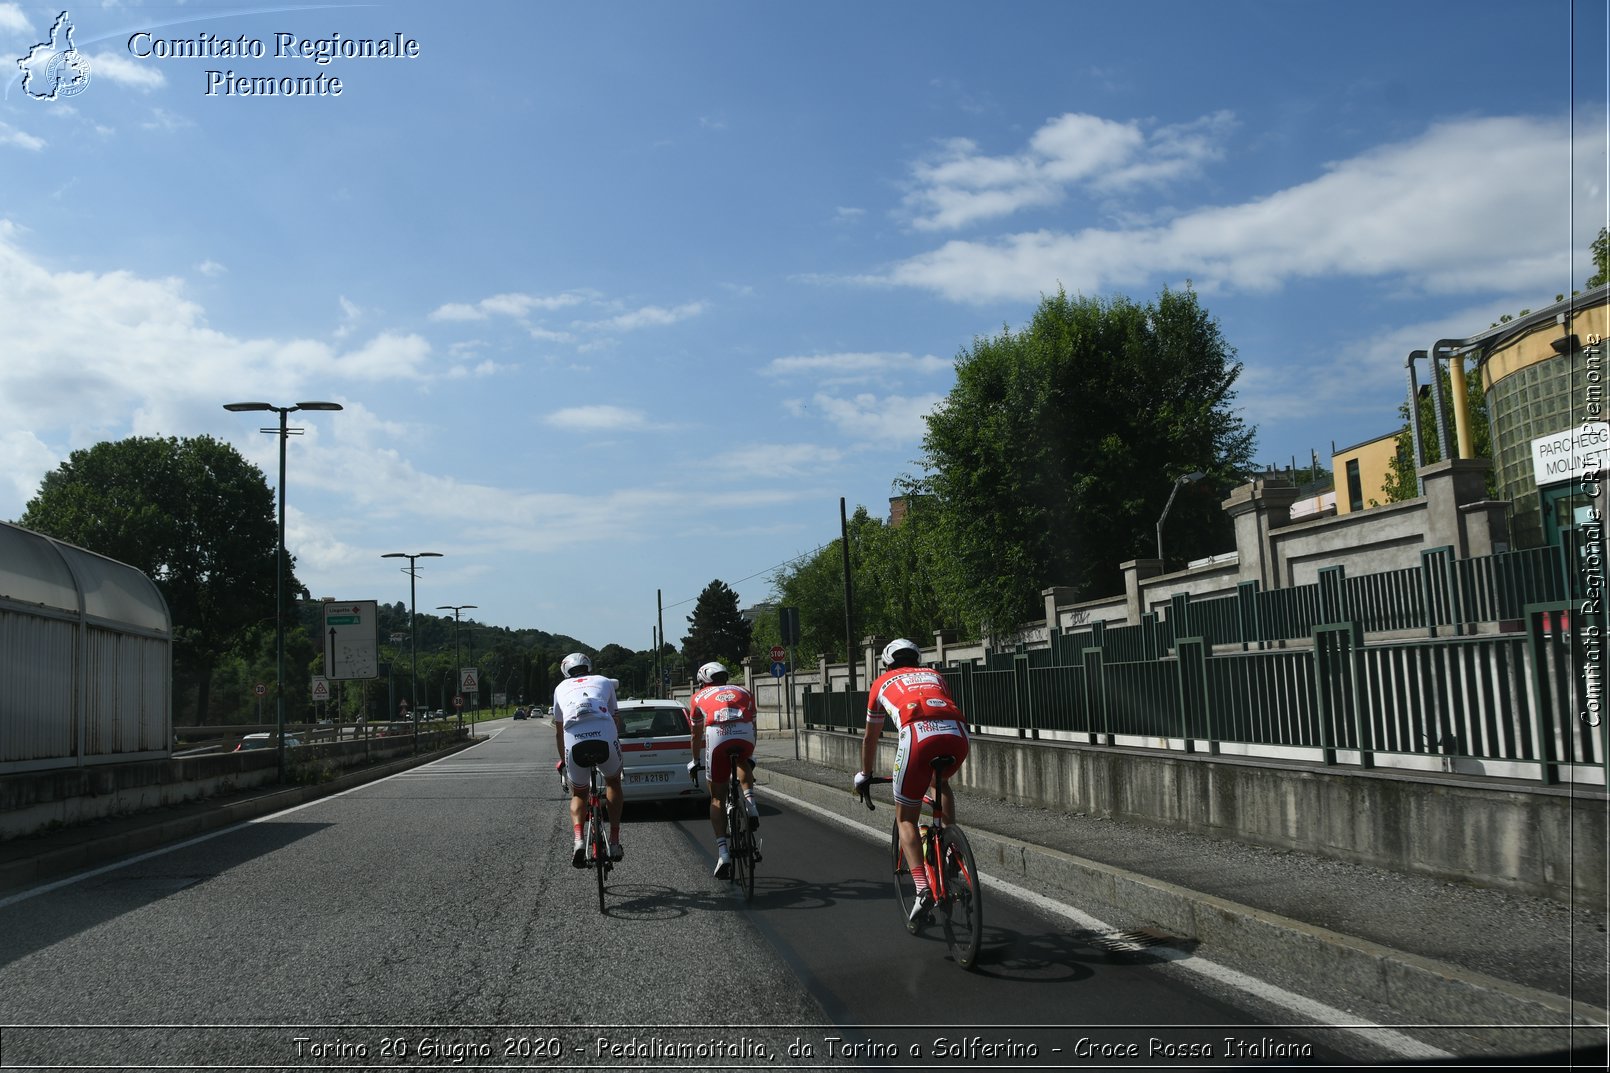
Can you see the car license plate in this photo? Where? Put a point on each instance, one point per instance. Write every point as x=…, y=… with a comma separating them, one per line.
x=650, y=776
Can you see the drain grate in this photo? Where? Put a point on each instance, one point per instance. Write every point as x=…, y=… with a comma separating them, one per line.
x=1133, y=942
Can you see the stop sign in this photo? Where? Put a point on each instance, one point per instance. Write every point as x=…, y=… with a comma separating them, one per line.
x=778, y=652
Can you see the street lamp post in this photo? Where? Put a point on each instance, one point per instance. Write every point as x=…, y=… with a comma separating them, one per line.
x=457, y=670
x=413, y=628
x=1179, y=482
x=282, y=431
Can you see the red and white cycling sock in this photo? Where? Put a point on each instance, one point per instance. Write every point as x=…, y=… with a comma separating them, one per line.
x=576, y=827
x=920, y=878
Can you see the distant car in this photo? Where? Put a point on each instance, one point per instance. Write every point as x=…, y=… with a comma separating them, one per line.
x=262, y=741
x=519, y=713
x=656, y=749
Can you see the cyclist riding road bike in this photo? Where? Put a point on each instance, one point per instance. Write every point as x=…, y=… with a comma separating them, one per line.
x=723, y=716
x=584, y=708
x=930, y=725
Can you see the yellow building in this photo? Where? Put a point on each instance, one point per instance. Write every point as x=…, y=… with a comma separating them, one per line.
x=1361, y=472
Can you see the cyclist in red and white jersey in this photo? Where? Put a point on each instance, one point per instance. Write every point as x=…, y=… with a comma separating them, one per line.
x=584, y=708
x=930, y=725
x=723, y=716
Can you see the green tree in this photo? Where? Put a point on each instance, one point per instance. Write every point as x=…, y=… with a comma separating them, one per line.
x=1601, y=259
x=715, y=629
x=1054, y=454
x=196, y=517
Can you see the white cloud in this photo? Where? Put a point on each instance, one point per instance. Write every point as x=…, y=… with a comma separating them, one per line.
x=649, y=316
x=778, y=459
x=211, y=269
x=851, y=367
x=508, y=305
x=21, y=139
x=960, y=186
x=1471, y=204
x=116, y=67
x=872, y=417
x=596, y=418
x=12, y=19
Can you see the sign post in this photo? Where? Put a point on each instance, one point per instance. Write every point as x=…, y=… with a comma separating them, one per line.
x=351, y=641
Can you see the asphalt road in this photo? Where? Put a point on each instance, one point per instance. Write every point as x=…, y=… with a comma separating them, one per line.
x=432, y=919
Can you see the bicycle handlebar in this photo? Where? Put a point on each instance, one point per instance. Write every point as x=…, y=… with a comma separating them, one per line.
x=866, y=789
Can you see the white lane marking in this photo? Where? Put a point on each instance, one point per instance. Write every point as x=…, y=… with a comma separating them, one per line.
x=79, y=877
x=1313, y=1012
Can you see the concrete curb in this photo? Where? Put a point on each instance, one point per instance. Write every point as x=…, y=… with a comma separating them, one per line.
x=1422, y=990
x=92, y=853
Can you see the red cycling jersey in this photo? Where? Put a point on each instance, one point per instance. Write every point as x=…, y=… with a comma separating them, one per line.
x=721, y=704
x=911, y=694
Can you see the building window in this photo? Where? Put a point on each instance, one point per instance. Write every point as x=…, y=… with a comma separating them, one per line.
x=1355, y=489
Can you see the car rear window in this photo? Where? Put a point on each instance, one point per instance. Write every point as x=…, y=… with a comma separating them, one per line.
x=654, y=722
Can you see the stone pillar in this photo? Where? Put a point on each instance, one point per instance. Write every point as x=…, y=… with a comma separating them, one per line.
x=1485, y=525
x=1057, y=594
x=871, y=648
x=1136, y=571
x=942, y=638
x=1257, y=510
x=749, y=674
x=1449, y=486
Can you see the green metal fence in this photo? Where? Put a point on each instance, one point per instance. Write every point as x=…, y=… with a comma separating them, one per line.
x=1526, y=697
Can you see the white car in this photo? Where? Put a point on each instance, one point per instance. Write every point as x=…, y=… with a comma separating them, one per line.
x=655, y=750
x=263, y=741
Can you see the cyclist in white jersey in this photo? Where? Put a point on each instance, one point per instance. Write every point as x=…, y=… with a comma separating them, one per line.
x=584, y=709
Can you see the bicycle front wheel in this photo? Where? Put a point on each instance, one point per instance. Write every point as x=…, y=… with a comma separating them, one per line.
x=963, y=905
x=905, y=888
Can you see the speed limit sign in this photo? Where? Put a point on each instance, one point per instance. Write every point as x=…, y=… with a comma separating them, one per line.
x=259, y=689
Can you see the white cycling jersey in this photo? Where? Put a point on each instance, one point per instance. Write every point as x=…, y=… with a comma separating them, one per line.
x=586, y=704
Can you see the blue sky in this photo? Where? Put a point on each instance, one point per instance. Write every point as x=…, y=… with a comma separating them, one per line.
x=623, y=297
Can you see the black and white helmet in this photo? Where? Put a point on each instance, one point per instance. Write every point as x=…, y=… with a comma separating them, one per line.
x=707, y=673
x=901, y=653
x=575, y=664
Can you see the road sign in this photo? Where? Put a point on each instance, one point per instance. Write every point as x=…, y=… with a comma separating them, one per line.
x=778, y=652
x=778, y=669
x=259, y=689
x=321, y=688
x=458, y=702
x=351, y=647
x=469, y=680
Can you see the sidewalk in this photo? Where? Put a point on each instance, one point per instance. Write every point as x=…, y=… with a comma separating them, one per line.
x=1409, y=949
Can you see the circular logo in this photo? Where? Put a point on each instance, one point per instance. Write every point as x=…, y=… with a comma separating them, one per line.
x=67, y=74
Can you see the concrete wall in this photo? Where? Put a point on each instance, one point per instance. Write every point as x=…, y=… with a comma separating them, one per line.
x=33, y=801
x=1534, y=840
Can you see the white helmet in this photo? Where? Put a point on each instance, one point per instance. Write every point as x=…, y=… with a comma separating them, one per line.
x=893, y=650
x=707, y=673
x=576, y=660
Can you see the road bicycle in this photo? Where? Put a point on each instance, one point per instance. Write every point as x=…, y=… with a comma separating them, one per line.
x=589, y=754
x=743, y=845
x=952, y=873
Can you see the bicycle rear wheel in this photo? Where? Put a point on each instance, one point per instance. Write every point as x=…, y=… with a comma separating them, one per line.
x=599, y=842
x=905, y=888
x=740, y=843
x=963, y=905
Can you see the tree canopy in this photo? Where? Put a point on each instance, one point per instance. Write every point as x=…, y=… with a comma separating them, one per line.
x=1053, y=456
x=195, y=516
x=716, y=631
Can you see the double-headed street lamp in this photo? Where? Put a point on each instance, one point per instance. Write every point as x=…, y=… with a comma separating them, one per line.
x=413, y=628
x=279, y=560
x=457, y=670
